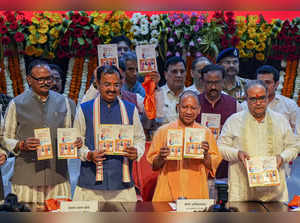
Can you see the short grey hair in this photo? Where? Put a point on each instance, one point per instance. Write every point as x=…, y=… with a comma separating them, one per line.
x=188, y=93
x=252, y=83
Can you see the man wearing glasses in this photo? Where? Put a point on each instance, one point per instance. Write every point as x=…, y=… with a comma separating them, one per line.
x=214, y=102
x=38, y=107
x=258, y=131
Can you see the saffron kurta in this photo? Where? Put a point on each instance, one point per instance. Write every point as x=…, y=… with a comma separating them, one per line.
x=189, y=182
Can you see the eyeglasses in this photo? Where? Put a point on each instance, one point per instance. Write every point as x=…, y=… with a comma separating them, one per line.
x=42, y=79
x=254, y=100
x=211, y=83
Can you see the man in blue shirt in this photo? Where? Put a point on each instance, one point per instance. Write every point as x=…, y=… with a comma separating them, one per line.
x=107, y=108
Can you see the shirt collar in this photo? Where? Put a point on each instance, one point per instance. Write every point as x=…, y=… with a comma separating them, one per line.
x=103, y=102
x=181, y=125
x=219, y=100
x=134, y=88
x=169, y=91
x=39, y=97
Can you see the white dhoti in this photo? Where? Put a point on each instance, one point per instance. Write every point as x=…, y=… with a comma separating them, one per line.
x=39, y=194
x=83, y=194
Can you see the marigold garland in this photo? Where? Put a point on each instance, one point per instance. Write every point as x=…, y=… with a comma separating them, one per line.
x=91, y=67
x=76, y=78
x=13, y=70
x=289, y=79
x=2, y=78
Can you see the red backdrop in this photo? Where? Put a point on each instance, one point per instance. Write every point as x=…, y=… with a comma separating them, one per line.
x=269, y=15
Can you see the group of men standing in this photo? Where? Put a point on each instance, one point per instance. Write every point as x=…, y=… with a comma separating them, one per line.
x=251, y=125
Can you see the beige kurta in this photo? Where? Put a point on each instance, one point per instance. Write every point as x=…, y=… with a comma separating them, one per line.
x=231, y=141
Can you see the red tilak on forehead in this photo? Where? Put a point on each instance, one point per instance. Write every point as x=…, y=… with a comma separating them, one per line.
x=257, y=95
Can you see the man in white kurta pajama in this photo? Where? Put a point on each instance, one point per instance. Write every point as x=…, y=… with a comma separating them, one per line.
x=256, y=132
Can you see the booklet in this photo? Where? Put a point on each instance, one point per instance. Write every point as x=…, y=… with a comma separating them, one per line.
x=65, y=143
x=44, y=151
x=175, y=144
x=108, y=54
x=106, y=139
x=262, y=171
x=115, y=138
x=192, y=143
x=146, y=58
x=213, y=122
x=124, y=138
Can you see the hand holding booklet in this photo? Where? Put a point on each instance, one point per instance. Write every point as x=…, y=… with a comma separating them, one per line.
x=213, y=122
x=113, y=139
x=146, y=58
x=192, y=143
x=262, y=171
x=187, y=142
x=44, y=150
x=175, y=144
x=65, y=143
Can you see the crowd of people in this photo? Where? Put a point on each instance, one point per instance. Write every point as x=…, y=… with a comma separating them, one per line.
x=254, y=121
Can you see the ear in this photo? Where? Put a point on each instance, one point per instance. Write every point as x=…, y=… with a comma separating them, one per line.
x=177, y=108
x=28, y=80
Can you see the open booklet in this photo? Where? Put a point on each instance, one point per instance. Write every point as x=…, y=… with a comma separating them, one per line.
x=44, y=150
x=262, y=171
x=65, y=143
x=113, y=139
x=187, y=142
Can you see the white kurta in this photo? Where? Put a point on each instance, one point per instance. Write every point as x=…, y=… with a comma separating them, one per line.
x=230, y=142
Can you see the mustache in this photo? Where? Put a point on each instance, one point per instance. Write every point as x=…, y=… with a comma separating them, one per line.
x=213, y=91
x=231, y=69
x=45, y=85
x=111, y=92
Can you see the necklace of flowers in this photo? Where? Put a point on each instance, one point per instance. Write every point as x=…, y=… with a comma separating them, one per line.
x=83, y=79
x=69, y=76
x=91, y=67
x=13, y=75
x=296, y=83
x=291, y=71
x=281, y=77
x=20, y=85
x=9, y=86
x=2, y=78
x=76, y=78
x=23, y=70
